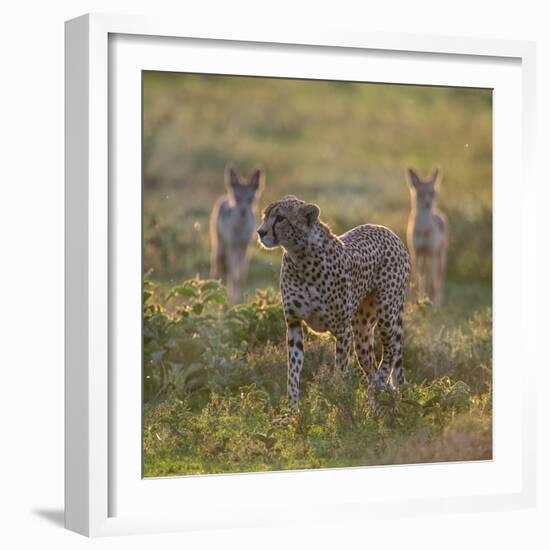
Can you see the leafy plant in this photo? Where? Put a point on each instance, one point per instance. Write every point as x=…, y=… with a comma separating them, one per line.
x=215, y=389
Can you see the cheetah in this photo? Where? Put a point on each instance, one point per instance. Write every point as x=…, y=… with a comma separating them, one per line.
x=427, y=236
x=232, y=225
x=345, y=285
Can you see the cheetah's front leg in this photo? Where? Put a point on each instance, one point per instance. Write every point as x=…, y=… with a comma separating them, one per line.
x=295, y=361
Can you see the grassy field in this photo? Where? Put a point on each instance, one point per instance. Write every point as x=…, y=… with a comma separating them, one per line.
x=215, y=375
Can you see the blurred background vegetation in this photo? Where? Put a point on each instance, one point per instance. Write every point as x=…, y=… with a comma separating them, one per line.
x=215, y=375
x=342, y=145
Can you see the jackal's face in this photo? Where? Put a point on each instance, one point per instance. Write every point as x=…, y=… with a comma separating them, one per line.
x=243, y=193
x=423, y=191
x=288, y=223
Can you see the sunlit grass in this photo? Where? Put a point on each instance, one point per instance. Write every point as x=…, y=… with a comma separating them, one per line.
x=216, y=389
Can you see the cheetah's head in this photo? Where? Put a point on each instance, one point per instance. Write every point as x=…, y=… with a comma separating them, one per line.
x=287, y=222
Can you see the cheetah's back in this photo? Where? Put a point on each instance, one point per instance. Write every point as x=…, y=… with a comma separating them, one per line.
x=379, y=257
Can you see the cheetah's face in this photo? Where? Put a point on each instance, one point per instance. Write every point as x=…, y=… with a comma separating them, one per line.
x=287, y=223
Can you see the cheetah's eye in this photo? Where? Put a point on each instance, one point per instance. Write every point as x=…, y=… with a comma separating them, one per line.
x=279, y=218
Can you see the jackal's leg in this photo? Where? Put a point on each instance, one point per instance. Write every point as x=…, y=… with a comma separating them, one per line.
x=218, y=263
x=438, y=276
x=420, y=269
x=442, y=272
x=244, y=263
x=232, y=284
x=414, y=271
x=238, y=266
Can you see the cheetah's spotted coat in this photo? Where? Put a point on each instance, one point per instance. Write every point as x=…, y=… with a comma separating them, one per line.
x=345, y=285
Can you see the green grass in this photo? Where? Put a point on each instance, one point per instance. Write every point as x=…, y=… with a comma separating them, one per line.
x=215, y=390
x=215, y=377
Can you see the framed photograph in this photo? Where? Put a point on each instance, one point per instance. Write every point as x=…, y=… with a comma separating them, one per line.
x=297, y=281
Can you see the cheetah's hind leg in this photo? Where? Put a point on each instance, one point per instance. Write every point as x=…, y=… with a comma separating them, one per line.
x=389, y=375
x=364, y=322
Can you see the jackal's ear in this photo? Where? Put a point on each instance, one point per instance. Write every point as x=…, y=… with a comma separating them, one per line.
x=436, y=177
x=412, y=178
x=257, y=181
x=231, y=178
x=311, y=213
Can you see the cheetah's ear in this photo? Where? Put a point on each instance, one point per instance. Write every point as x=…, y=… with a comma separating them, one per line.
x=413, y=179
x=257, y=181
x=311, y=213
x=231, y=178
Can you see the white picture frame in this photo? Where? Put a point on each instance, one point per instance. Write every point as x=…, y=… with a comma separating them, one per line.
x=104, y=493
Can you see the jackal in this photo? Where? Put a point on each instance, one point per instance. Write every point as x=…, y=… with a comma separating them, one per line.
x=232, y=226
x=427, y=237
